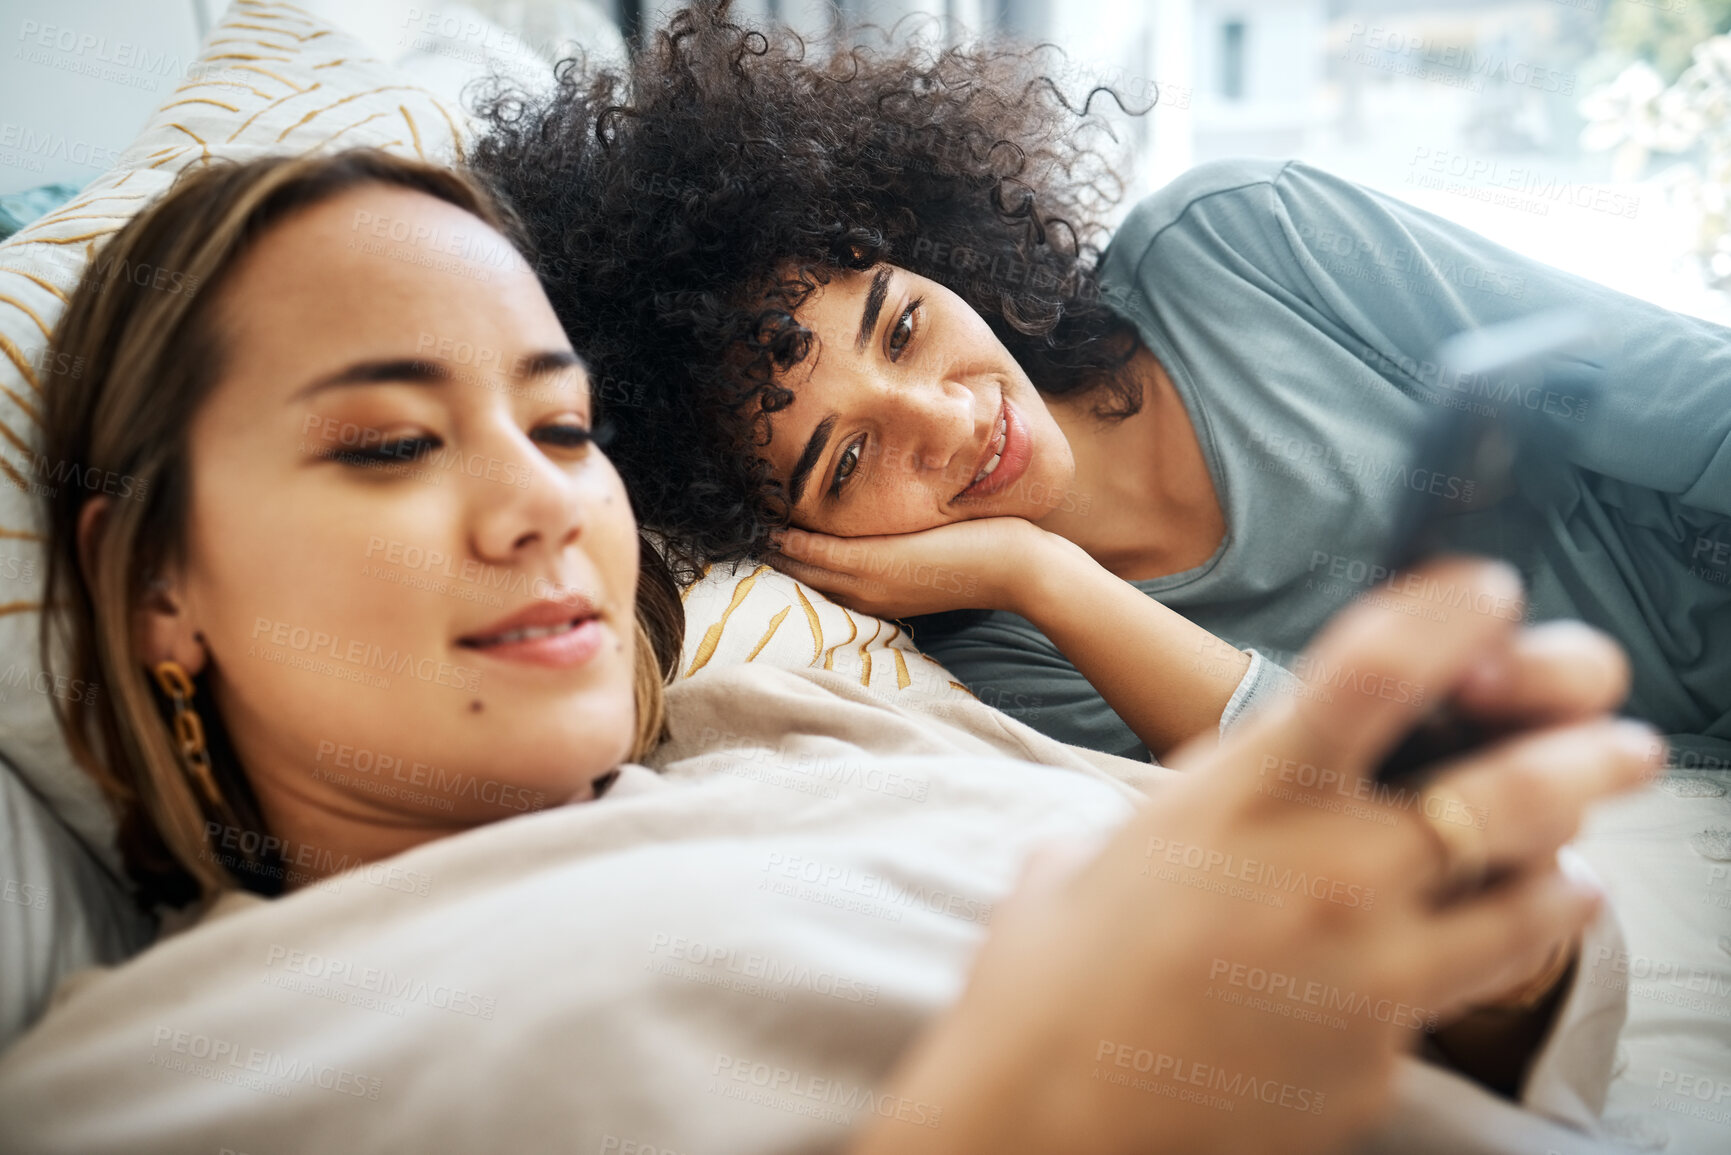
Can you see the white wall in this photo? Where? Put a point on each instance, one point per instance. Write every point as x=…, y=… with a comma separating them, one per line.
x=80, y=77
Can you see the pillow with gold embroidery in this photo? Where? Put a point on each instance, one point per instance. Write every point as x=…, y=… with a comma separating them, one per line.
x=752, y=613
x=270, y=79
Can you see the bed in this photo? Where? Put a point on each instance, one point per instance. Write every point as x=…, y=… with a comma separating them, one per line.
x=730, y=957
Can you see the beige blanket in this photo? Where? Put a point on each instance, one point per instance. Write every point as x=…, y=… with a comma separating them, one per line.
x=725, y=957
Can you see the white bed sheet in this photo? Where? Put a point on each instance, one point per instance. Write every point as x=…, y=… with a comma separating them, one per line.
x=794, y=909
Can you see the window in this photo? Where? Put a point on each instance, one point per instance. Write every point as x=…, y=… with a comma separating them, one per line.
x=1232, y=60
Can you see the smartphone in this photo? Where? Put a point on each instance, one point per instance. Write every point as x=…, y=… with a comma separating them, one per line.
x=1555, y=349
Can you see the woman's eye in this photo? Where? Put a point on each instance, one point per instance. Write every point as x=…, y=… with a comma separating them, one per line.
x=386, y=452
x=845, y=466
x=566, y=435
x=903, y=330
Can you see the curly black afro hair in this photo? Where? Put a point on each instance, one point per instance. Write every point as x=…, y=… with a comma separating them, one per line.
x=685, y=207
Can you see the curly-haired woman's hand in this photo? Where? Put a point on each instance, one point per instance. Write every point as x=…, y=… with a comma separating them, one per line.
x=1168, y=678
x=985, y=563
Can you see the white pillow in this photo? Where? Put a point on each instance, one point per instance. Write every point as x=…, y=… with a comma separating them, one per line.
x=269, y=79
x=752, y=613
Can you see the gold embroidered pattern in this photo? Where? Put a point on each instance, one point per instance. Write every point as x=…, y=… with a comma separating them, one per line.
x=23, y=445
x=414, y=132
x=201, y=100
x=829, y=658
x=230, y=82
x=27, y=311
x=16, y=356
x=253, y=40
x=712, y=636
x=282, y=80
x=249, y=56
x=20, y=239
x=49, y=286
x=811, y=620
x=205, y=159
x=774, y=624
x=903, y=680
x=456, y=137
x=279, y=100
x=274, y=31
x=23, y=405
x=338, y=104
x=340, y=131
x=174, y=153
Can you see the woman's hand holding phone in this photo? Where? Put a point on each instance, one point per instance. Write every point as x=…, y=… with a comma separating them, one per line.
x=1107, y=988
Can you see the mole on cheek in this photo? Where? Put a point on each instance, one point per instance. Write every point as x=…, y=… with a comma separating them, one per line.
x=475, y=707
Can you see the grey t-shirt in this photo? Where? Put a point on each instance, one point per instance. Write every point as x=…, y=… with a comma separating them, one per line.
x=1297, y=315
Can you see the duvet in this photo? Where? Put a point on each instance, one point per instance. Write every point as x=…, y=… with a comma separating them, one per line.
x=724, y=954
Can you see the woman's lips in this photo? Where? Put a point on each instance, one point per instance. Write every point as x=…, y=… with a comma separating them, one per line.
x=570, y=646
x=558, y=634
x=1013, y=458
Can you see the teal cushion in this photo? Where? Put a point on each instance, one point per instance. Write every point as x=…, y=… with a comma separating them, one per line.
x=20, y=208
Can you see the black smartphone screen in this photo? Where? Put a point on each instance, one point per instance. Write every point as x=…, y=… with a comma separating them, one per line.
x=1466, y=442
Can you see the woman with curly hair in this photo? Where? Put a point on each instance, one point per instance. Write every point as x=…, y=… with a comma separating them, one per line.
x=869, y=295
x=289, y=421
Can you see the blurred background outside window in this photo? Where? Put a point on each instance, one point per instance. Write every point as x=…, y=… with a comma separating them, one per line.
x=1591, y=134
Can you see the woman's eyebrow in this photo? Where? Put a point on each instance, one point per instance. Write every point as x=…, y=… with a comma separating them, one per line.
x=413, y=370
x=808, y=458
x=423, y=371
x=874, y=304
x=551, y=361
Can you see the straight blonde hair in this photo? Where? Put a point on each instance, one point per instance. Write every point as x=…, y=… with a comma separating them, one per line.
x=132, y=360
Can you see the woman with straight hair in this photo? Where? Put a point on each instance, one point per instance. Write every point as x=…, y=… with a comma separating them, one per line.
x=301, y=429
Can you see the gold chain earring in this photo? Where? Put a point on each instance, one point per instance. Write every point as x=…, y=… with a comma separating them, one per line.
x=188, y=727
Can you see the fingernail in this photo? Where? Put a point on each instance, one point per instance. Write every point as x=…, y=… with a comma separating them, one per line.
x=1639, y=740
x=1505, y=573
x=1489, y=676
